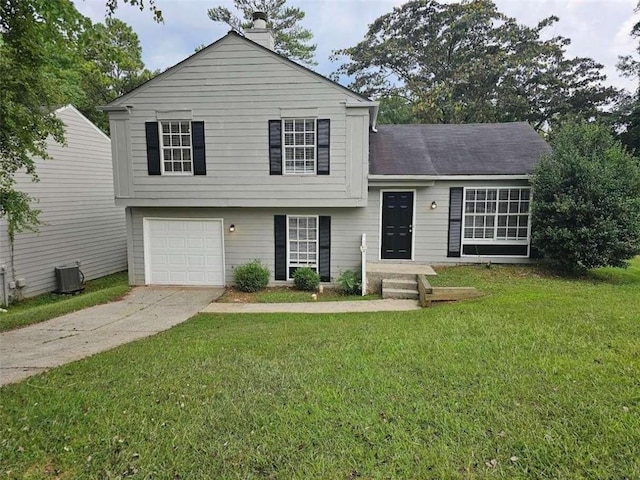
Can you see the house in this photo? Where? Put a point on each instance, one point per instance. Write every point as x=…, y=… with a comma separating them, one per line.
x=79, y=220
x=238, y=153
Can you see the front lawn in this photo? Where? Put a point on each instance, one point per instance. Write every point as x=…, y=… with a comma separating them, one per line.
x=537, y=379
x=50, y=305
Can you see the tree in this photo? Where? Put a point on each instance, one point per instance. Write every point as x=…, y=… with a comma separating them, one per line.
x=291, y=39
x=38, y=52
x=467, y=62
x=586, y=200
x=111, y=65
x=627, y=111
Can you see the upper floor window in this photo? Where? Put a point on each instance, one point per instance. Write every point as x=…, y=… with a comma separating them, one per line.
x=496, y=214
x=176, y=148
x=299, y=146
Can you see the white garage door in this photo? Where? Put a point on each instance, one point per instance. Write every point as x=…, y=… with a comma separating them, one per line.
x=183, y=252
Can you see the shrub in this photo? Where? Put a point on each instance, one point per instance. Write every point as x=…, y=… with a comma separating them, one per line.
x=350, y=282
x=586, y=200
x=251, y=277
x=306, y=278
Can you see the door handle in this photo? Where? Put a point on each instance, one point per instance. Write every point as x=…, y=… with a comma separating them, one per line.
x=410, y=228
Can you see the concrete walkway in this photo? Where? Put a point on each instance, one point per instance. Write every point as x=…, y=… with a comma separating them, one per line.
x=315, y=307
x=143, y=312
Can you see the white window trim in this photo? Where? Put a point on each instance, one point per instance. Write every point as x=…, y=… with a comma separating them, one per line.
x=163, y=148
x=284, y=147
x=317, y=242
x=485, y=241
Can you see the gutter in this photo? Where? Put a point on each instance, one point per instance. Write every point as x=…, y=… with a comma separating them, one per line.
x=114, y=108
x=413, y=178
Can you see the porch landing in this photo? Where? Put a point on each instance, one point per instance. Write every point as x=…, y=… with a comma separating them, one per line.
x=400, y=268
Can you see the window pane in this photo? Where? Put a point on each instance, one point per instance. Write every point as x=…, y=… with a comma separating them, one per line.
x=513, y=207
x=524, y=221
x=177, y=154
x=186, y=127
x=511, y=233
x=477, y=233
x=524, y=195
x=175, y=140
x=504, y=194
x=165, y=127
x=309, y=125
x=175, y=127
x=468, y=233
x=489, y=221
x=502, y=221
x=309, y=138
x=491, y=207
x=288, y=153
x=288, y=138
x=186, y=140
x=481, y=195
x=501, y=233
x=468, y=207
x=299, y=138
x=186, y=154
x=177, y=167
x=522, y=233
x=167, y=166
x=309, y=153
x=514, y=194
x=186, y=166
x=167, y=154
x=312, y=222
x=288, y=125
x=502, y=207
x=492, y=194
x=513, y=221
x=524, y=207
x=166, y=140
x=480, y=208
x=468, y=221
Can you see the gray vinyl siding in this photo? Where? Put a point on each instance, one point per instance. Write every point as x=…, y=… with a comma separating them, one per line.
x=254, y=235
x=236, y=87
x=431, y=227
x=79, y=220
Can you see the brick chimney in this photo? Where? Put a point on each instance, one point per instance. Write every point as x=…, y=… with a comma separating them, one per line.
x=260, y=33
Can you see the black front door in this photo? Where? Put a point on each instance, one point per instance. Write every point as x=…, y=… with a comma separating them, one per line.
x=397, y=219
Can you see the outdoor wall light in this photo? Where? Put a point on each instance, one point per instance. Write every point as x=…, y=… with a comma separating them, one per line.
x=434, y=205
x=232, y=228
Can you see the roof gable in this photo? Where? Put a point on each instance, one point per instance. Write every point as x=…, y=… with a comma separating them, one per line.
x=209, y=51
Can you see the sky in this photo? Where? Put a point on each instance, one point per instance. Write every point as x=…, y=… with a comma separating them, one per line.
x=598, y=29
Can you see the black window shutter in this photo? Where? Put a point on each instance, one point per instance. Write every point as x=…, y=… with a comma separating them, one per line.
x=197, y=140
x=280, y=232
x=324, y=244
x=153, y=148
x=455, y=221
x=323, y=140
x=275, y=147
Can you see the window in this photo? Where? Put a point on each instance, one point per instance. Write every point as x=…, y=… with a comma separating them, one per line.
x=498, y=215
x=176, y=149
x=299, y=146
x=302, y=243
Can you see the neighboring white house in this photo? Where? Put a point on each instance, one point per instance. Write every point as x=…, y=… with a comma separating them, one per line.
x=238, y=153
x=79, y=220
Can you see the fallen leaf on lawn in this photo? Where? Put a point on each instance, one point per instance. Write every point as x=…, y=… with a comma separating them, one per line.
x=491, y=463
x=514, y=459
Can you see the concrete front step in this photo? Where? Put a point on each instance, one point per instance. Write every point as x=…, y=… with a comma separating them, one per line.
x=400, y=293
x=401, y=283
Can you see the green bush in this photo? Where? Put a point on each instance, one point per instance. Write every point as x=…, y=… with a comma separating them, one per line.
x=586, y=200
x=350, y=282
x=306, y=278
x=251, y=277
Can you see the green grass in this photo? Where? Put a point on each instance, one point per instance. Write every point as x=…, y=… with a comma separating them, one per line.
x=290, y=295
x=50, y=305
x=537, y=379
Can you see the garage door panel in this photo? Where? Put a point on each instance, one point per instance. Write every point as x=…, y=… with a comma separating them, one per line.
x=184, y=252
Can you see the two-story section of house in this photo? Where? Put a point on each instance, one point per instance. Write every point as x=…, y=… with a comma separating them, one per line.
x=238, y=153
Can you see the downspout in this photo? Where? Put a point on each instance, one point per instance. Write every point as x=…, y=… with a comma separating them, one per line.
x=3, y=275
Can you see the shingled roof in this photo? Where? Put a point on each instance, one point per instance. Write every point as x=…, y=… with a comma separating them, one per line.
x=465, y=149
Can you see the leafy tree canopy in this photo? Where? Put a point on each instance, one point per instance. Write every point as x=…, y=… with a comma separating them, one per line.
x=291, y=39
x=41, y=68
x=586, y=200
x=468, y=62
x=627, y=112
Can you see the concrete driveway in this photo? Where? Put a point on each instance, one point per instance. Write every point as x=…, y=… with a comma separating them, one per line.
x=141, y=313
